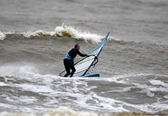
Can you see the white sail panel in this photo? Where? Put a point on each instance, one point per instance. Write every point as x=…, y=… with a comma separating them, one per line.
x=83, y=65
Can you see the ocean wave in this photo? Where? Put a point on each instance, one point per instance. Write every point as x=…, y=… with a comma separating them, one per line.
x=64, y=33
x=64, y=111
x=81, y=92
x=60, y=31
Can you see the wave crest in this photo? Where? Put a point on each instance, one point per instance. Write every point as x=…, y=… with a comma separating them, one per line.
x=60, y=31
x=77, y=34
x=2, y=36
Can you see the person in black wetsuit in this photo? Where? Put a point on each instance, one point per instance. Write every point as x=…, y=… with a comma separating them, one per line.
x=69, y=60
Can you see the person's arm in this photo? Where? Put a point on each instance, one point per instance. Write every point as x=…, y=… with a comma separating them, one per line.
x=82, y=55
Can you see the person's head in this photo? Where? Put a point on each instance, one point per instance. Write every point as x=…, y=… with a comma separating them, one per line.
x=77, y=46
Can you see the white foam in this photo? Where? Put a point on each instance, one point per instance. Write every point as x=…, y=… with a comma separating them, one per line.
x=2, y=36
x=166, y=96
x=117, y=79
x=34, y=88
x=37, y=33
x=27, y=99
x=125, y=89
x=109, y=104
x=66, y=31
x=152, y=88
x=77, y=34
x=18, y=70
x=4, y=105
x=2, y=84
x=76, y=91
x=64, y=111
x=16, y=114
x=158, y=82
x=21, y=99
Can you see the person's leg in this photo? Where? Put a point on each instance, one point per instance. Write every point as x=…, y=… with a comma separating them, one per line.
x=73, y=71
x=67, y=68
x=72, y=68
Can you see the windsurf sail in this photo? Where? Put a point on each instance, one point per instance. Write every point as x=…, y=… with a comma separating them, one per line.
x=83, y=66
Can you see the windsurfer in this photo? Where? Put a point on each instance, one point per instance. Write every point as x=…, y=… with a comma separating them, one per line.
x=69, y=60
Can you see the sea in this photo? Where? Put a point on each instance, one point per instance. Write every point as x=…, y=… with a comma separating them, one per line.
x=35, y=36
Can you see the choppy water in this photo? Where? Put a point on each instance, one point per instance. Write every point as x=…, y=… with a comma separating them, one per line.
x=36, y=35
